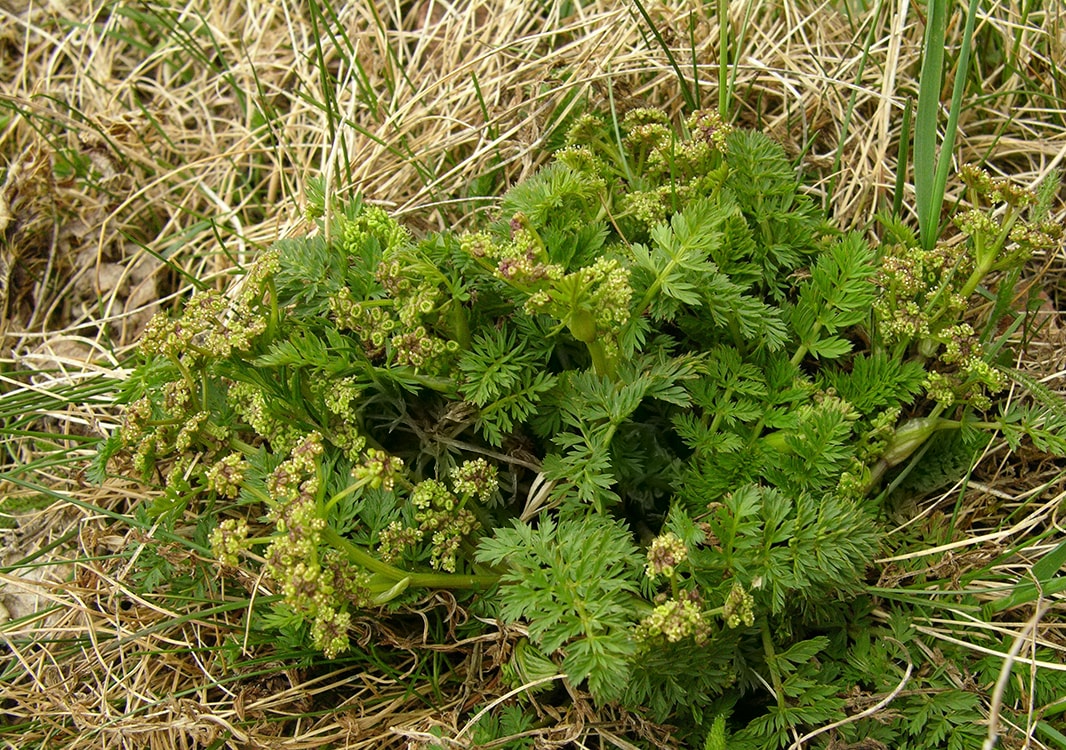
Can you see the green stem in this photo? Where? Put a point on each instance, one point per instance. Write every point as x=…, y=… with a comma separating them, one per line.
x=246, y=448
x=986, y=253
x=716, y=422
x=771, y=662
x=364, y=559
x=185, y=373
x=274, y=316
x=975, y=278
x=353, y=487
x=911, y=435
x=460, y=324
x=601, y=363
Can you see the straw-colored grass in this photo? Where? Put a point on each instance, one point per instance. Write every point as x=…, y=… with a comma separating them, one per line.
x=150, y=145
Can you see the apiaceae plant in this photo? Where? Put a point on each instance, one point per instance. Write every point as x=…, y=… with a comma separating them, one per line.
x=648, y=410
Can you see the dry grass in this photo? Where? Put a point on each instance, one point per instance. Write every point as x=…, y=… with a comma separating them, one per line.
x=148, y=145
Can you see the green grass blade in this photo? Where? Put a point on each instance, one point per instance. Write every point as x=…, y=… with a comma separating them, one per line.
x=1052, y=734
x=1046, y=583
x=723, y=60
x=948, y=147
x=695, y=59
x=931, y=165
x=686, y=91
x=925, y=126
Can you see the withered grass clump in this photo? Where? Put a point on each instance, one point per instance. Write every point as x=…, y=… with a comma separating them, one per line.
x=149, y=149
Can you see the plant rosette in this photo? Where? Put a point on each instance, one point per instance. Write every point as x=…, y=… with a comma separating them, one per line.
x=648, y=409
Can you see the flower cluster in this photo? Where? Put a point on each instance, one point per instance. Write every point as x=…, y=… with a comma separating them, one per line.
x=227, y=475
x=682, y=614
x=421, y=350
x=371, y=321
x=593, y=301
x=678, y=616
x=440, y=515
x=663, y=169
x=739, y=607
x=378, y=470
x=646, y=207
x=210, y=326
x=329, y=631
x=917, y=287
x=995, y=190
x=708, y=126
x=229, y=540
x=521, y=262
x=341, y=395
x=316, y=581
x=138, y=433
x=477, y=478
x=251, y=403
x=611, y=293
x=259, y=279
x=373, y=224
x=396, y=327
x=666, y=552
x=581, y=159
x=675, y=619
x=173, y=427
x=922, y=298
x=647, y=134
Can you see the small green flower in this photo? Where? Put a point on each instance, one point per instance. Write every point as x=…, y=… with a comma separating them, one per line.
x=739, y=607
x=666, y=552
x=341, y=395
x=378, y=469
x=475, y=478
x=226, y=476
x=329, y=632
x=939, y=388
x=258, y=278
x=229, y=540
x=395, y=538
x=674, y=620
x=373, y=224
x=709, y=127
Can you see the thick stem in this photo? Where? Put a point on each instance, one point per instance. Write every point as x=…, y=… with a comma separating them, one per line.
x=460, y=324
x=364, y=559
x=601, y=363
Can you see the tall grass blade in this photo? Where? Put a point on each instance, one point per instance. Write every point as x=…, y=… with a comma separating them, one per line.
x=686, y=91
x=694, y=52
x=1044, y=584
x=723, y=60
x=961, y=75
x=931, y=164
x=925, y=126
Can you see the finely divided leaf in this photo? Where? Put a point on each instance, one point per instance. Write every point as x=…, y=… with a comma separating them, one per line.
x=839, y=294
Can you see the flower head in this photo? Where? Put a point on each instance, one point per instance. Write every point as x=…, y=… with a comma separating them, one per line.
x=666, y=552
x=674, y=620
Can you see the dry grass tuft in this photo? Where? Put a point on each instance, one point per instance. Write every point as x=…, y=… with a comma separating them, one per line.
x=148, y=145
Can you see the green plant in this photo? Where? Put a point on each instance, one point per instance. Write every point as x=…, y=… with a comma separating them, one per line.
x=651, y=405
